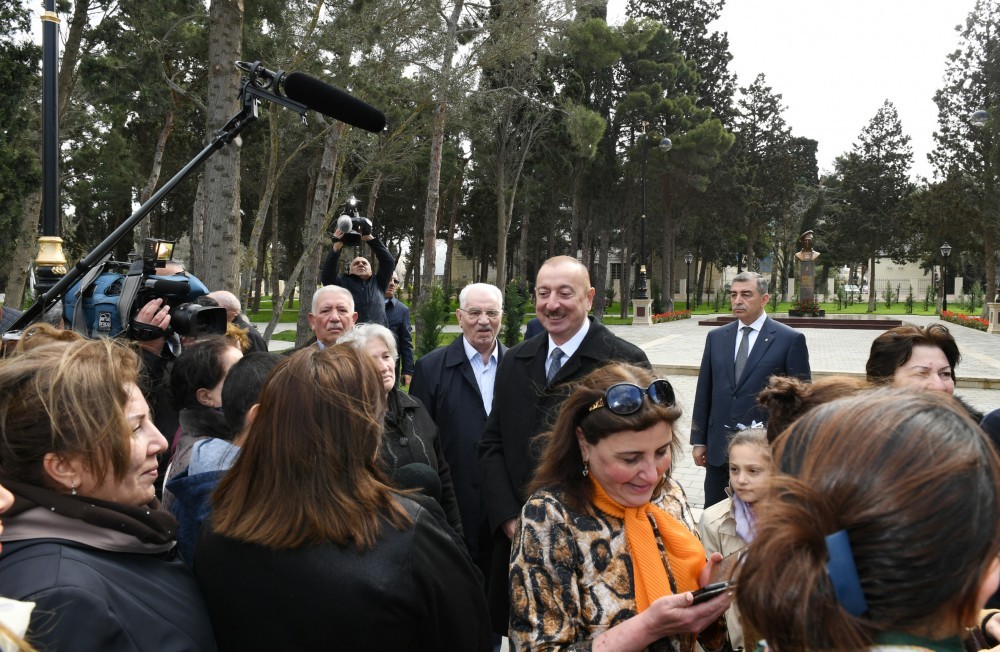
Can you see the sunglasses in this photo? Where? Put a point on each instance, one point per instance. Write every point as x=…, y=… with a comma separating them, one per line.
x=626, y=398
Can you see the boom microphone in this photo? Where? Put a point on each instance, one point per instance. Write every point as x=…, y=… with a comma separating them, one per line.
x=331, y=101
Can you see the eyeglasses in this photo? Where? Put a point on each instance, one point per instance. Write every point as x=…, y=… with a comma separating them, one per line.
x=393, y=281
x=626, y=398
x=476, y=313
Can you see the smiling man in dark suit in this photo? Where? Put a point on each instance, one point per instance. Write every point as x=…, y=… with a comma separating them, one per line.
x=532, y=383
x=455, y=383
x=739, y=359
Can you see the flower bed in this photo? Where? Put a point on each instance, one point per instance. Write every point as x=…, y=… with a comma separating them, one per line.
x=978, y=323
x=806, y=307
x=671, y=316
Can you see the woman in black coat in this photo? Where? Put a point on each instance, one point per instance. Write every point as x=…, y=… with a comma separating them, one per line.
x=309, y=548
x=84, y=539
x=410, y=441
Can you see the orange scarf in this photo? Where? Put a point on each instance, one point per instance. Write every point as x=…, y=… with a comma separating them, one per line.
x=685, y=554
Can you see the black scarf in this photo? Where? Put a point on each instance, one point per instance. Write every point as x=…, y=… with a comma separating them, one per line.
x=147, y=524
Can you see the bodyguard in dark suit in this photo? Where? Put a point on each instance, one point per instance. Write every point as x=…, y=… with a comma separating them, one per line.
x=532, y=382
x=397, y=315
x=739, y=359
x=455, y=384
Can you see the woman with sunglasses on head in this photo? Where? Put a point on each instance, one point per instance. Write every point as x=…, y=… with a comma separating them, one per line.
x=606, y=554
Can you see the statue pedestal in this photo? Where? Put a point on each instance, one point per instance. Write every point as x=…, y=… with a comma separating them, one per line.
x=807, y=280
x=641, y=315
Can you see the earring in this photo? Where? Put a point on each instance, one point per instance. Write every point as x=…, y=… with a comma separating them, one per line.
x=586, y=468
x=72, y=490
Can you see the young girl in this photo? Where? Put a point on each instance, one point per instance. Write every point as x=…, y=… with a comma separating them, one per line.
x=727, y=527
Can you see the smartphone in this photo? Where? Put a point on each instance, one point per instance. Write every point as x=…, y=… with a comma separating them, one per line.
x=726, y=570
x=709, y=591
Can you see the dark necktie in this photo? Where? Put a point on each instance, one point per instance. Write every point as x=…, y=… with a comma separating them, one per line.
x=743, y=352
x=555, y=364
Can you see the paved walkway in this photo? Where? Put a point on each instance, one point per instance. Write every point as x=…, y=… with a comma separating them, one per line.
x=675, y=349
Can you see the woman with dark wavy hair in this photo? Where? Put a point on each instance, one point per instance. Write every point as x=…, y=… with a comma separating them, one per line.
x=881, y=529
x=309, y=548
x=606, y=553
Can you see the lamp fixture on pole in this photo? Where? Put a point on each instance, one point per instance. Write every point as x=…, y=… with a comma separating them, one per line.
x=687, y=281
x=945, y=252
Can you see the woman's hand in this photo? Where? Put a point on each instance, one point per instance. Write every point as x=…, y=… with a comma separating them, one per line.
x=706, y=573
x=669, y=615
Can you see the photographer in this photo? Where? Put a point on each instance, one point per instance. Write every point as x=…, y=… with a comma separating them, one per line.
x=368, y=289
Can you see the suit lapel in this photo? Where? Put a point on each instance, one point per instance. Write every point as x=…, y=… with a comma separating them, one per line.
x=764, y=339
x=456, y=358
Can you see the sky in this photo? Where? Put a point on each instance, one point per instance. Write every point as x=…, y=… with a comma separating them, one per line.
x=835, y=63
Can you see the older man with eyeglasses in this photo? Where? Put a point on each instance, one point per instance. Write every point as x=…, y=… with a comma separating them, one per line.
x=397, y=316
x=455, y=384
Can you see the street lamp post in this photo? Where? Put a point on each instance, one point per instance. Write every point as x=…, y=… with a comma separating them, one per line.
x=945, y=252
x=640, y=308
x=687, y=282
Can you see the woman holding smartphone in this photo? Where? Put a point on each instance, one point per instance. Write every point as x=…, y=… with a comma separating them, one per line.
x=606, y=555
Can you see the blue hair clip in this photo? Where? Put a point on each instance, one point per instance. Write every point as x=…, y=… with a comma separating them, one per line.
x=844, y=574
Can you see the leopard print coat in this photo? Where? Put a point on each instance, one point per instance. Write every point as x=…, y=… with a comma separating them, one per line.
x=571, y=575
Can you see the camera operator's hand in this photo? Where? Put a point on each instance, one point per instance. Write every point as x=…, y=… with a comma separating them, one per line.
x=368, y=237
x=338, y=242
x=157, y=315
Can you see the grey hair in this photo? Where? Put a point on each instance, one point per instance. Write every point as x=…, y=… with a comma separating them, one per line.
x=492, y=289
x=359, y=336
x=753, y=277
x=331, y=289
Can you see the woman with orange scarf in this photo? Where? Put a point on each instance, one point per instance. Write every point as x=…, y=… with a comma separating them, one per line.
x=606, y=553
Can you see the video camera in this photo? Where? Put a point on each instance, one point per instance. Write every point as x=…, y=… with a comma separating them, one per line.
x=353, y=225
x=105, y=301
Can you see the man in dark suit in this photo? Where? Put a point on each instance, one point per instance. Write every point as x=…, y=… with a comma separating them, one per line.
x=397, y=316
x=455, y=384
x=532, y=382
x=739, y=359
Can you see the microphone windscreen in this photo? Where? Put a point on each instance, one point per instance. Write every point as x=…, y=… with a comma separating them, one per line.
x=331, y=101
x=344, y=224
x=418, y=476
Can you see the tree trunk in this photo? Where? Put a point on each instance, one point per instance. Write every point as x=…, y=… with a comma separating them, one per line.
x=578, y=208
x=222, y=174
x=600, y=296
x=143, y=230
x=24, y=250
x=872, y=294
x=502, y=209
x=990, y=256
x=276, y=259
x=667, y=261
x=197, y=263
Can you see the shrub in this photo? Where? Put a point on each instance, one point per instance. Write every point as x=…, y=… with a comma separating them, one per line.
x=515, y=307
x=657, y=297
x=909, y=301
x=432, y=315
x=806, y=306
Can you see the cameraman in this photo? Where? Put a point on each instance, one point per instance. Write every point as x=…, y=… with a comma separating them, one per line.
x=367, y=289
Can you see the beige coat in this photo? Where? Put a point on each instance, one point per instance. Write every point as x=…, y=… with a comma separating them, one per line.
x=718, y=534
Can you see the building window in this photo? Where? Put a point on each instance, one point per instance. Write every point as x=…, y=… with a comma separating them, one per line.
x=616, y=271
